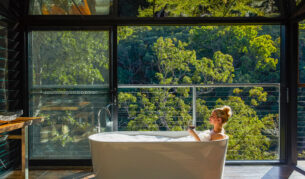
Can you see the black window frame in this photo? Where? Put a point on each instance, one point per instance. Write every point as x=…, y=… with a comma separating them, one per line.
x=288, y=93
x=109, y=29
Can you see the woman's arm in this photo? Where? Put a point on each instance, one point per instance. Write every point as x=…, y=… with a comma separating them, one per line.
x=193, y=133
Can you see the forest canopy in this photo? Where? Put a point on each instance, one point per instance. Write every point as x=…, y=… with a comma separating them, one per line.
x=235, y=65
x=202, y=55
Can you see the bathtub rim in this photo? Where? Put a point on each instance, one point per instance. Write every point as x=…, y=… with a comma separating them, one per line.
x=150, y=134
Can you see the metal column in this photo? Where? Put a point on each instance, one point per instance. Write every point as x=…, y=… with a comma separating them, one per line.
x=194, y=106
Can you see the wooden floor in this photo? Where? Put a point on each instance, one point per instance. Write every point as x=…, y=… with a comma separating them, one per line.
x=230, y=172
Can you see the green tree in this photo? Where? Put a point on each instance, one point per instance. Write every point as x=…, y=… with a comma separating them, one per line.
x=215, y=8
x=64, y=61
x=301, y=51
x=159, y=107
x=210, y=57
x=245, y=130
x=83, y=58
x=254, y=51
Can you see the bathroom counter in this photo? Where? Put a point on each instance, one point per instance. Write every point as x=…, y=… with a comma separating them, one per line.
x=21, y=123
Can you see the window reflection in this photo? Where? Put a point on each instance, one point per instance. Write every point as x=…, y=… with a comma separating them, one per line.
x=199, y=8
x=173, y=76
x=69, y=84
x=70, y=7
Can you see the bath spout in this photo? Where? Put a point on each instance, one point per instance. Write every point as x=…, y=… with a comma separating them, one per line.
x=106, y=109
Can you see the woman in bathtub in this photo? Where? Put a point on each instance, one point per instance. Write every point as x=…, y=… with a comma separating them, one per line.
x=218, y=118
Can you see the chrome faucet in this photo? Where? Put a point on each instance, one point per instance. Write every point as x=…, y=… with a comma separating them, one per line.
x=106, y=109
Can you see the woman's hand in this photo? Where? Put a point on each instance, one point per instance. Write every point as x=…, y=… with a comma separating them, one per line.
x=193, y=133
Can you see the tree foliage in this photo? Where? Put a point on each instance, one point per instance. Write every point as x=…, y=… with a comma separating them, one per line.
x=203, y=8
x=301, y=51
x=245, y=130
x=202, y=55
x=83, y=58
x=178, y=55
x=62, y=61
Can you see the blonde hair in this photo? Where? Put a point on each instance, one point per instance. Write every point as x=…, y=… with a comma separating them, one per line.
x=224, y=113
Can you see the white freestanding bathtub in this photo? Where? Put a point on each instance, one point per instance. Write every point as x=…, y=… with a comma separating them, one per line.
x=118, y=159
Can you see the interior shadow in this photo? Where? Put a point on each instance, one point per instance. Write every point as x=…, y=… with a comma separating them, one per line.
x=279, y=172
x=80, y=175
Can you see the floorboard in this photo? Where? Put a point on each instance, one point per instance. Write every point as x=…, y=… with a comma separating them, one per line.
x=230, y=172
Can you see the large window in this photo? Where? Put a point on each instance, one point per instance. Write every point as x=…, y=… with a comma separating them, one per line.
x=199, y=8
x=301, y=98
x=158, y=8
x=301, y=128
x=69, y=86
x=172, y=76
x=168, y=76
x=302, y=52
x=70, y=7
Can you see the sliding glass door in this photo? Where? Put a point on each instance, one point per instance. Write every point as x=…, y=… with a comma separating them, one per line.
x=301, y=100
x=172, y=76
x=69, y=86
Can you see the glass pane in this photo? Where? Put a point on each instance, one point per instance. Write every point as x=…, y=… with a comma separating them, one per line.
x=70, y=7
x=302, y=52
x=253, y=128
x=198, y=8
x=70, y=58
x=198, y=54
x=4, y=60
x=69, y=86
x=171, y=77
x=155, y=109
x=70, y=117
x=301, y=99
x=301, y=128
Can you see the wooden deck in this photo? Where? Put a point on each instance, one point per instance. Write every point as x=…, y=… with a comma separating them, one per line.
x=230, y=172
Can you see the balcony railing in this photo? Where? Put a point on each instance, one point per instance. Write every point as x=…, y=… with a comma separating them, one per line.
x=197, y=93
x=253, y=129
x=149, y=107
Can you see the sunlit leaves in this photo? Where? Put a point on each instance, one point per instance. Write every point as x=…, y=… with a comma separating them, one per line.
x=207, y=8
x=258, y=95
x=156, y=109
x=223, y=67
x=246, y=130
x=70, y=58
x=204, y=55
x=172, y=61
x=255, y=54
x=263, y=47
x=237, y=91
x=176, y=61
x=208, y=71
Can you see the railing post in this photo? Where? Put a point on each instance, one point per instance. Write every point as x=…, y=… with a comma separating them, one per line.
x=24, y=153
x=194, y=106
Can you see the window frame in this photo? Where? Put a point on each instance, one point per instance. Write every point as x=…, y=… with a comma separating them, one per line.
x=112, y=10
x=63, y=22
x=26, y=83
x=299, y=85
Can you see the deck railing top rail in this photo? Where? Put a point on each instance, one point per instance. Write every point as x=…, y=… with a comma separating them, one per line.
x=200, y=85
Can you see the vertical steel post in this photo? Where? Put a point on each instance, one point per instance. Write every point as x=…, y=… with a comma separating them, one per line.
x=194, y=106
x=24, y=153
x=114, y=81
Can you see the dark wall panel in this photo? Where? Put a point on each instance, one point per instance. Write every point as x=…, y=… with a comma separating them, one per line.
x=11, y=56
